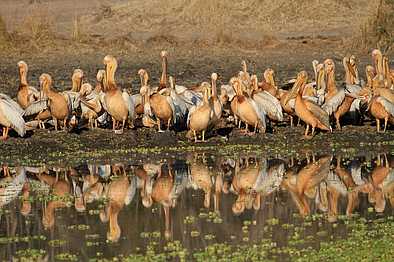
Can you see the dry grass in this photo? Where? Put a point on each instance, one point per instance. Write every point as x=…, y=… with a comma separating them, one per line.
x=251, y=24
x=4, y=36
x=379, y=30
x=36, y=30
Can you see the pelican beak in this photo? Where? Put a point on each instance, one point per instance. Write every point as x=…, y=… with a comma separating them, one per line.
x=294, y=90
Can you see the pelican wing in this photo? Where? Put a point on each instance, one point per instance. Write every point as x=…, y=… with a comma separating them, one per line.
x=90, y=105
x=14, y=114
x=12, y=103
x=189, y=115
x=331, y=105
x=137, y=99
x=319, y=113
x=130, y=103
x=313, y=99
x=172, y=105
x=73, y=100
x=259, y=110
x=36, y=107
x=291, y=103
x=356, y=105
x=179, y=106
x=270, y=104
x=352, y=90
x=386, y=104
x=228, y=90
x=190, y=97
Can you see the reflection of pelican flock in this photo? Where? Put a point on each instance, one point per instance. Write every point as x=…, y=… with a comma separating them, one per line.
x=319, y=104
x=228, y=186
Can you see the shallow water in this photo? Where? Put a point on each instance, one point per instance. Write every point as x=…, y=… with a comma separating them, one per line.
x=97, y=211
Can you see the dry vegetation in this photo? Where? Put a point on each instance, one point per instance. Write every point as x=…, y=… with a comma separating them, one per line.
x=379, y=29
x=248, y=24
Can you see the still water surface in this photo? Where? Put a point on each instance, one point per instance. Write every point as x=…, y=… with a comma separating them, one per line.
x=98, y=211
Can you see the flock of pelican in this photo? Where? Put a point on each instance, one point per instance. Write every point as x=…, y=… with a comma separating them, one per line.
x=313, y=184
x=319, y=104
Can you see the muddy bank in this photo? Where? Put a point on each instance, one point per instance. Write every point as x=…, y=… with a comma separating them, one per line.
x=63, y=148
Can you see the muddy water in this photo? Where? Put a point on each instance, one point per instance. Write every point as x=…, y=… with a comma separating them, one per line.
x=97, y=211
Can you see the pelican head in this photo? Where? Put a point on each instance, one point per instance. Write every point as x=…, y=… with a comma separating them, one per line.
x=100, y=75
x=376, y=53
x=302, y=78
x=214, y=76
x=163, y=53
x=329, y=65
x=269, y=75
x=78, y=73
x=352, y=60
x=45, y=80
x=244, y=66
x=86, y=89
x=144, y=77
x=22, y=65
x=110, y=63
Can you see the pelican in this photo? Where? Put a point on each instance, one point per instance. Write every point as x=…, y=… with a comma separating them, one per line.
x=57, y=103
x=201, y=116
x=379, y=106
x=248, y=110
x=156, y=104
x=214, y=101
x=268, y=83
x=90, y=104
x=11, y=116
x=244, y=75
x=26, y=94
x=267, y=101
x=308, y=111
x=164, y=65
x=72, y=96
x=118, y=104
x=334, y=96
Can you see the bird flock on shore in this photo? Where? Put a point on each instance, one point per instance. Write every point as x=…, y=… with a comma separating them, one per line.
x=245, y=101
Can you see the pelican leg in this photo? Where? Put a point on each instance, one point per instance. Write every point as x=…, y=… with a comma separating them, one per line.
x=255, y=128
x=385, y=124
x=338, y=124
x=291, y=121
x=6, y=171
x=65, y=124
x=123, y=124
x=55, y=120
x=5, y=133
x=313, y=131
x=113, y=124
x=195, y=136
x=168, y=124
x=158, y=124
x=306, y=130
x=95, y=123
x=299, y=122
x=378, y=125
x=203, y=136
x=246, y=128
x=239, y=124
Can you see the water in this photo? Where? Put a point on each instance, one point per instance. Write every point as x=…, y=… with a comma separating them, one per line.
x=105, y=211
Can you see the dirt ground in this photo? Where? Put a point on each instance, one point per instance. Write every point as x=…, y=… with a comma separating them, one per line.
x=287, y=51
